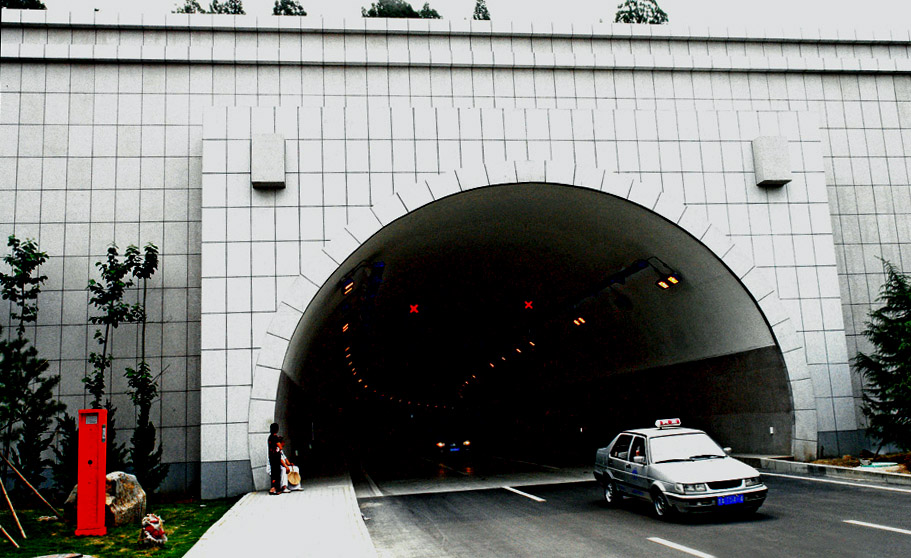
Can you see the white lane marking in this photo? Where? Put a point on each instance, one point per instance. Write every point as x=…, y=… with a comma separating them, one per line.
x=680, y=547
x=875, y=526
x=861, y=485
x=374, y=489
x=535, y=498
x=526, y=463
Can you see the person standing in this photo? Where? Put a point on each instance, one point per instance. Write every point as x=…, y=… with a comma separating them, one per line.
x=275, y=459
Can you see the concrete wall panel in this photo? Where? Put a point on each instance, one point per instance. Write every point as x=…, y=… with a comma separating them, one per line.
x=119, y=141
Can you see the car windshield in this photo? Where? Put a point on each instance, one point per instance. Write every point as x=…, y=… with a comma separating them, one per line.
x=684, y=447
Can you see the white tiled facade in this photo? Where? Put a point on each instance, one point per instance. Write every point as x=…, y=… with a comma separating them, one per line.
x=139, y=131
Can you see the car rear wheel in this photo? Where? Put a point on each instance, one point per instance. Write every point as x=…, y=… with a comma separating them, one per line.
x=663, y=509
x=612, y=496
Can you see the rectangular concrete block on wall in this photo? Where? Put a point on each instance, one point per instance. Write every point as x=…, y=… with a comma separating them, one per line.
x=267, y=161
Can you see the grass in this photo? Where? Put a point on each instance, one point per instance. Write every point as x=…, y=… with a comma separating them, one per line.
x=184, y=523
x=903, y=459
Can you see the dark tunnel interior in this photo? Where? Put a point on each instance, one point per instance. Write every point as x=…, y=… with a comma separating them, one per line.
x=528, y=319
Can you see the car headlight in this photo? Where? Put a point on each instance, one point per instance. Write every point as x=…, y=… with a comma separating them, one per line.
x=752, y=481
x=690, y=488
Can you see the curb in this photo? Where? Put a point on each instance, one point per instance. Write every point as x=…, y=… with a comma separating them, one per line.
x=833, y=471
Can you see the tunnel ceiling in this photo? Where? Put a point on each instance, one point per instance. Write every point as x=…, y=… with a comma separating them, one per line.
x=471, y=261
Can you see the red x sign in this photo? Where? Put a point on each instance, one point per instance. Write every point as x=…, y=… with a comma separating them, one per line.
x=414, y=309
x=528, y=305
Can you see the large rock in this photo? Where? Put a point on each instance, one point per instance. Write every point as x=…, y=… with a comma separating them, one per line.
x=125, y=500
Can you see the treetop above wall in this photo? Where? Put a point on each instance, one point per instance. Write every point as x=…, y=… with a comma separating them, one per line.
x=209, y=22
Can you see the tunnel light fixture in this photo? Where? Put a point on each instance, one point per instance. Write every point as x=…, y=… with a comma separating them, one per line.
x=344, y=328
x=347, y=286
x=491, y=364
x=518, y=350
x=668, y=281
x=579, y=321
x=531, y=343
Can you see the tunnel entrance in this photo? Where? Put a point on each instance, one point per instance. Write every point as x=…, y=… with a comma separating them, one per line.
x=527, y=319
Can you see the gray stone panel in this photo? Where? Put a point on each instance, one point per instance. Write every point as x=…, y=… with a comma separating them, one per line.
x=240, y=478
x=214, y=479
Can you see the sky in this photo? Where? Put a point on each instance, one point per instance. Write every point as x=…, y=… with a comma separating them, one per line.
x=741, y=13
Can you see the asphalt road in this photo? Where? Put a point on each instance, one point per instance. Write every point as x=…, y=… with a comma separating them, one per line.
x=801, y=518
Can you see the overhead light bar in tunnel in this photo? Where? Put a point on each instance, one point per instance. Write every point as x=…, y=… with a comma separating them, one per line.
x=668, y=281
x=668, y=277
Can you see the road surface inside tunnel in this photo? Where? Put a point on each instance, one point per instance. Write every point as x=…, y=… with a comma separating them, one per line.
x=416, y=473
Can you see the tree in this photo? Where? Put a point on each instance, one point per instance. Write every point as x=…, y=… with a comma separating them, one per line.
x=22, y=288
x=288, y=7
x=429, y=13
x=640, y=11
x=190, y=7
x=235, y=7
x=480, y=11
x=145, y=459
x=399, y=8
x=35, y=408
x=23, y=4
x=66, y=454
x=27, y=403
x=107, y=297
x=887, y=370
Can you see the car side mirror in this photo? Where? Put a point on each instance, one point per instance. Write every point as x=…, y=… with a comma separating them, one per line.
x=639, y=459
x=727, y=450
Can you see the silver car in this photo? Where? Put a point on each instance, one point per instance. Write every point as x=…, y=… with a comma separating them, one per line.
x=678, y=470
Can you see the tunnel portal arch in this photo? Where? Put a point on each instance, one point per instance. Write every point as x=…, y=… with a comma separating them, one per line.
x=318, y=265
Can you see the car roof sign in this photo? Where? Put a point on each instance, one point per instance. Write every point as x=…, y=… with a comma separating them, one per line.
x=667, y=423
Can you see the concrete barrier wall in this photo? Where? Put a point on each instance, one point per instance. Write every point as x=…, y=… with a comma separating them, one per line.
x=831, y=471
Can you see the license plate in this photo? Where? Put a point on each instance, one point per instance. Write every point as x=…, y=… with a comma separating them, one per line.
x=733, y=499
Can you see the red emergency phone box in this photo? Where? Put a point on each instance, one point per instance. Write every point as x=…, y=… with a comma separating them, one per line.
x=93, y=434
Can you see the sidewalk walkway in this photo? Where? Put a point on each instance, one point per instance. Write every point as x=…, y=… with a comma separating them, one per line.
x=322, y=520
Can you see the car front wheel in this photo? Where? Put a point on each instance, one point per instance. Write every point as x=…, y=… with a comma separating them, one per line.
x=663, y=509
x=612, y=496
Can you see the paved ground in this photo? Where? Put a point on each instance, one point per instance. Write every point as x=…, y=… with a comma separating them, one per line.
x=490, y=507
x=802, y=517
x=323, y=520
